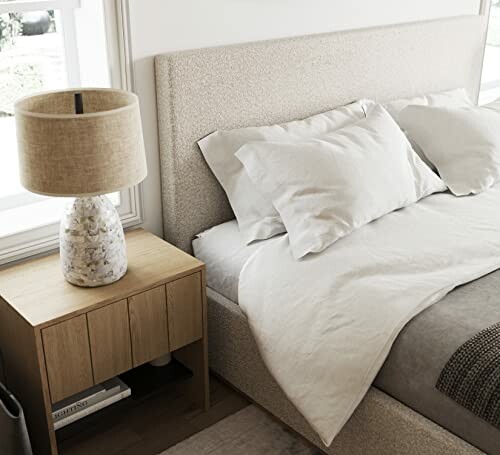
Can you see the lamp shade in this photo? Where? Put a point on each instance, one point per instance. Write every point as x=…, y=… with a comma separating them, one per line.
x=62, y=153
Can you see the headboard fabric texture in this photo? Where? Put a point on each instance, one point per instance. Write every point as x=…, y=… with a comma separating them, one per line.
x=261, y=83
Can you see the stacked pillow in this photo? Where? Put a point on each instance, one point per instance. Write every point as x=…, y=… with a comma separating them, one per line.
x=257, y=218
x=451, y=98
x=327, y=187
x=322, y=177
x=463, y=143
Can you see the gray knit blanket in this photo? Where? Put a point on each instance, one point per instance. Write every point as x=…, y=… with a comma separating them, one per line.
x=472, y=375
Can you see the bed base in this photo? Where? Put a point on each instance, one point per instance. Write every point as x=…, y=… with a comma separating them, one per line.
x=380, y=424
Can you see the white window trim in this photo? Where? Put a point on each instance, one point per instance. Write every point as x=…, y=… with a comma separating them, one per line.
x=65, y=19
x=22, y=6
x=46, y=238
x=116, y=13
x=25, y=244
x=485, y=10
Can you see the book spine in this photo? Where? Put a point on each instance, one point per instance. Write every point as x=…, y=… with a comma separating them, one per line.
x=77, y=403
x=91, y=409
x=75, y=407
x=83, y=403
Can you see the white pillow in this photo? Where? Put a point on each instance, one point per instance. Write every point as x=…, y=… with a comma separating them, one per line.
x=450, y=98
x=325, y=188
x=463, y=143
x=257, y=218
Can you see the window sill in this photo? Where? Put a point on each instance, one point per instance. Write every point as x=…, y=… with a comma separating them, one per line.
x=36, y=227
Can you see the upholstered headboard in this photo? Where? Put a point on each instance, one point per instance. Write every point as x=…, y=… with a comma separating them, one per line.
x=268, y=82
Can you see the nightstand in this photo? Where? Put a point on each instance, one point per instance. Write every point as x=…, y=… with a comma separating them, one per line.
x=57, y=339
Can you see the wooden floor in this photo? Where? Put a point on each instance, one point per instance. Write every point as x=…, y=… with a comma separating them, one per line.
x=156, y=417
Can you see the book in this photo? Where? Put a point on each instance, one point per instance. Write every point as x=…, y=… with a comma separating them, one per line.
x=75, y=402
x=84, y=399
x=90, y=401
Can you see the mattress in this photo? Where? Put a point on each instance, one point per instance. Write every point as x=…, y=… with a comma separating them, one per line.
x=224, y=252
x=411, y=371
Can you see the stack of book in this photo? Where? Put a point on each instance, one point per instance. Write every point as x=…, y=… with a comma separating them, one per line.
x=91, y=400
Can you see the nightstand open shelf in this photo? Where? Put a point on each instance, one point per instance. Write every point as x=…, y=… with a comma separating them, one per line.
x=57, y=339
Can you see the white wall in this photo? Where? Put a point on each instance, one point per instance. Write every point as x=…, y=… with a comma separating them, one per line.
x=159, y=26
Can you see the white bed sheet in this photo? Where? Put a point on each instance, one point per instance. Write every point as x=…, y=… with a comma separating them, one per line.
x=223, y=250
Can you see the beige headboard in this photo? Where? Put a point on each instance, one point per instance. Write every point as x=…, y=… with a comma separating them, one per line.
x=268, y=82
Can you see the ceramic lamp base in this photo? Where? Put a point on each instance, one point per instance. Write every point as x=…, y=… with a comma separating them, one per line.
x=92, y=243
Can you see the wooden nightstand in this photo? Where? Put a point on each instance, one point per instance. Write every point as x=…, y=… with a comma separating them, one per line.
x=57, y=339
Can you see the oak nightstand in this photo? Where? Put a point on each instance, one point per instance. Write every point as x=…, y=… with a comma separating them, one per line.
x=57, y=339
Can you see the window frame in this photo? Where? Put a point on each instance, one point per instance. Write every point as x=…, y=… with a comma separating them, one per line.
x=485, y=9
x=23, y=6
x=45, y=238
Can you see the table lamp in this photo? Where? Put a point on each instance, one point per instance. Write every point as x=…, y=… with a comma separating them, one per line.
x=83, y=143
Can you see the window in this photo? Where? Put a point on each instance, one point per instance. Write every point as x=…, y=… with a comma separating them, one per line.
x=48, y=45
x=490, y=80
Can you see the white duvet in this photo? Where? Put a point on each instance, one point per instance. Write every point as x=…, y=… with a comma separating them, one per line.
x=325, y=324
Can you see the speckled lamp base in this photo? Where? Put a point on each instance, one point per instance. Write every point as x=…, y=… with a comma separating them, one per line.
x=92, y=243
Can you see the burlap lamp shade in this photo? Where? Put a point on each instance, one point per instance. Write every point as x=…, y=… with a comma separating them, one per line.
x=83, y=143
x=62, y=153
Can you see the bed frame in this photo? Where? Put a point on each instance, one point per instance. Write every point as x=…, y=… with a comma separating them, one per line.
x=268, y=82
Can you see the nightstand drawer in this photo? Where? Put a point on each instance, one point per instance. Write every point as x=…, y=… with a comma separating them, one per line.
x=184, y=302
x=148, y=325
x=67, y=356
x=109, y=336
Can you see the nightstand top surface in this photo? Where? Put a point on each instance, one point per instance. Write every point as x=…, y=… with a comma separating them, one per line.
x=37, y=290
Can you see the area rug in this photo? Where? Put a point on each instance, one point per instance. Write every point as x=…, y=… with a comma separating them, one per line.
x=248, y=432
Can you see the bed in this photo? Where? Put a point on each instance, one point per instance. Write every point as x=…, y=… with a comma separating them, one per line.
x=269, y=82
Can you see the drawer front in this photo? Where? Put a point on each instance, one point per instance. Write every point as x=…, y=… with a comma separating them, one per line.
x=184, y=302
x=109, y=335
x=67, y=356
x=148, y=325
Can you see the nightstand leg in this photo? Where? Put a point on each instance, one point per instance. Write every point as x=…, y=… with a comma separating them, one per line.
x=23, y=360
x=195, y=357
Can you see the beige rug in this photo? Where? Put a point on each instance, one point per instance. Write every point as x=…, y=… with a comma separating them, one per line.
x=248, y=432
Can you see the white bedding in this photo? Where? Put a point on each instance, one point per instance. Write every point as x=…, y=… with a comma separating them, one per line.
x=224, y=252
x=326, y=188
x=325, y=324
